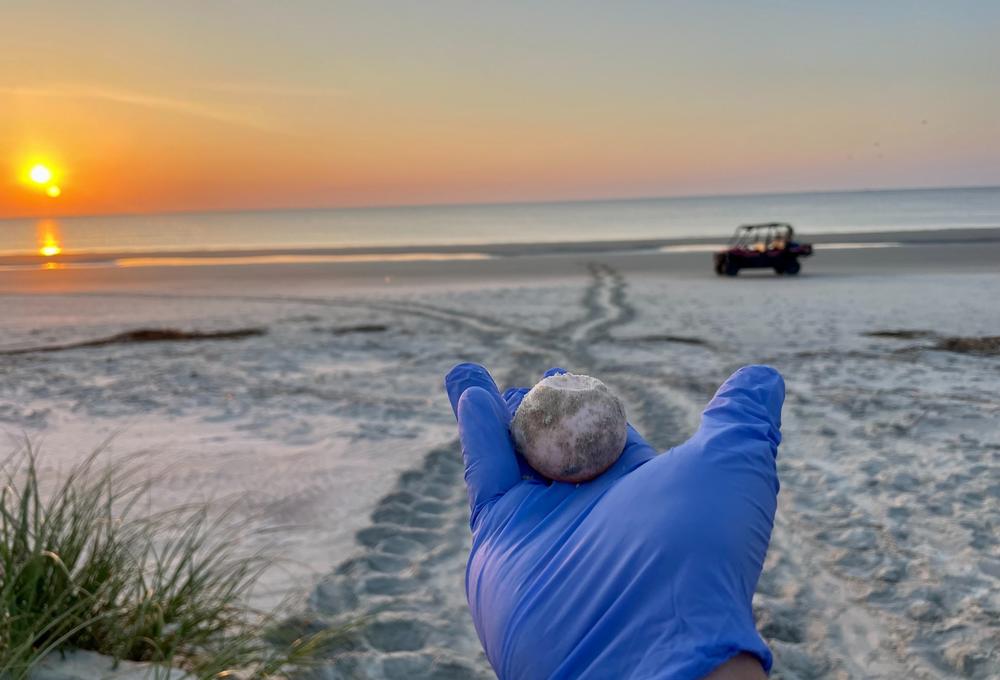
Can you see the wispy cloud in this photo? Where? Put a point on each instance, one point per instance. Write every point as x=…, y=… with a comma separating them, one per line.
x=272, y=90
x=185, y=107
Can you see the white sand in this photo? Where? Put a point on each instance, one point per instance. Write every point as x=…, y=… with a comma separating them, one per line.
x=340, y=448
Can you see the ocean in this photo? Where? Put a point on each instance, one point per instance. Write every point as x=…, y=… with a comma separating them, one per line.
x=422, y=226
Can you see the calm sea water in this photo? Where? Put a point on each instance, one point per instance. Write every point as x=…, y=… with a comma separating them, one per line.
x=847, y=212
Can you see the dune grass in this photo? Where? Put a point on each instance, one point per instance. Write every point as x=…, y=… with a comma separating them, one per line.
x=82, y=567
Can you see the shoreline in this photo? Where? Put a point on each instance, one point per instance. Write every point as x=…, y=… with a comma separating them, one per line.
x=430, y=252
x=395, y=273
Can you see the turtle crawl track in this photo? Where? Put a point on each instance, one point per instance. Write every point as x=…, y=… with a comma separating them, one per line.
x=406, y=584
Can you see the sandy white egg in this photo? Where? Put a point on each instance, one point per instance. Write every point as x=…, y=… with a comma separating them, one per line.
x=570, y=428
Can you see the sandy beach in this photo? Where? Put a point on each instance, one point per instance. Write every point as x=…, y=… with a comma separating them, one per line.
x=330, y=432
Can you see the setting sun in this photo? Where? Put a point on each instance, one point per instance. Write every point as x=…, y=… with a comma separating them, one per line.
x=40, y=174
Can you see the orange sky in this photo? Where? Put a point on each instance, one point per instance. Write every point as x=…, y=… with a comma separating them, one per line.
x=142, y=107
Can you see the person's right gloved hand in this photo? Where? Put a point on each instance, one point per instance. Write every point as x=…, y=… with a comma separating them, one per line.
x=645, y=572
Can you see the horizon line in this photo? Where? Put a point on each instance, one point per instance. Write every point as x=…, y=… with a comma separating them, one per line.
x=439, y=204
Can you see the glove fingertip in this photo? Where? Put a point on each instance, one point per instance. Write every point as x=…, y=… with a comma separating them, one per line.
x=464, y=376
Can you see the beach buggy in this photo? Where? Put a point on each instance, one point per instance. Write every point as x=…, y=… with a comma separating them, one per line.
x=756, y=246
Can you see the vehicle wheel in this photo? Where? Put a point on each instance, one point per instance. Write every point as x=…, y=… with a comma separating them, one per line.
x=720, y=267
x=732, y=269
x=792, y=267
x=779, y=270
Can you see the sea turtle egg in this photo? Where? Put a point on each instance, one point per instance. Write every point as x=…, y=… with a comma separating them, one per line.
x=570, y=427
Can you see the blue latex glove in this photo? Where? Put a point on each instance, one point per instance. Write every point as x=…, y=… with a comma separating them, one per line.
x=646, y=571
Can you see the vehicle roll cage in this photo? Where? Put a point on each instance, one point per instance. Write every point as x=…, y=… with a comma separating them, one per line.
x=766, y=233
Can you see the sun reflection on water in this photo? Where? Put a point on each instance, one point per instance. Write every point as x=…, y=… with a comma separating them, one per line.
x=48, y=238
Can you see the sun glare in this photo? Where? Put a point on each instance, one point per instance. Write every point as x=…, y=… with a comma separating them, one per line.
x=53, y=191
x=40, y=174
x=48, y=238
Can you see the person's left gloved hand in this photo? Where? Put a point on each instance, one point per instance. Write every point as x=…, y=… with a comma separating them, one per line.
x=646, y=571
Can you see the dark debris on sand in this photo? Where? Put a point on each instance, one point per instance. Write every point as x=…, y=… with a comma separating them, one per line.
x=987, y=345
x=144, y=335
x=682, y=339
x=362, y=328
x=901, y=334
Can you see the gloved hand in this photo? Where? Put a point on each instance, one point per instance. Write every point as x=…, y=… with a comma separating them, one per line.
x=646, y=571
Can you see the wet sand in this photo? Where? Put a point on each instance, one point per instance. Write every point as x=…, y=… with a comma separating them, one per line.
x=340, y=450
